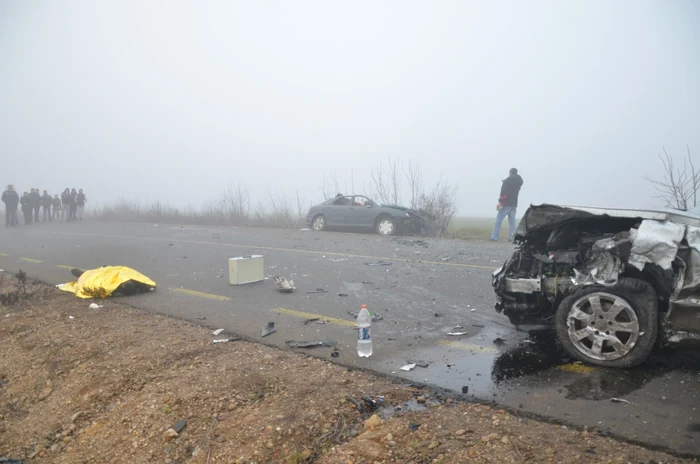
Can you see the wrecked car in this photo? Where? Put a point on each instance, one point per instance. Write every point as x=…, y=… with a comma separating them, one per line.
x=358, y=212
x=612, y=283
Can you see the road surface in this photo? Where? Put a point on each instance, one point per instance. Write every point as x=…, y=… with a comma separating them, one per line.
x=430, y=288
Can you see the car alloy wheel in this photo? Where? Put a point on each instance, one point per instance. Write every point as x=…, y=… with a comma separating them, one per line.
x=319, y=223
x=603, y=326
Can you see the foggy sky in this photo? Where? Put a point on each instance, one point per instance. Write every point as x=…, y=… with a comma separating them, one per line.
x=172, y=100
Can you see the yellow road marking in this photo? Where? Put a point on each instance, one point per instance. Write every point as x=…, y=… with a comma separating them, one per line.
x=4, y=254
x=291, y=250
x=210, y=296
x=305, y=315
x=30, y=260
x=63, y=266
x=576, y=368
x=467, y=346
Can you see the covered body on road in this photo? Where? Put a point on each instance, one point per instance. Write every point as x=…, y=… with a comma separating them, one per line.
x=611, y=282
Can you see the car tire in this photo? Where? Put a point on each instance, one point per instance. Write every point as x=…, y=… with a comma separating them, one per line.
x=318, y=223
x=385, y=225
x=586, y=327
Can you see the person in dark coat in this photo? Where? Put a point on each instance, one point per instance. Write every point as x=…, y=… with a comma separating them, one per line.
x=11, y=200
x=46, y=202
x=508, y=204
x=27, y=207
x=73, y=204
x=56, y=207
x=80, y=204
x=65, y=212
x=36, y=203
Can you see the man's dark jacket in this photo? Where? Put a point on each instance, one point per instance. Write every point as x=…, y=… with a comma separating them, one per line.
x=510, y=190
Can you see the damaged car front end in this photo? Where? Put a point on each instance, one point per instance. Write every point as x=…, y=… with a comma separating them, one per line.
x=610, y=282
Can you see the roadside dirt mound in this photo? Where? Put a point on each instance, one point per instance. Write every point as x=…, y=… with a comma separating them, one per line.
x=80, y=385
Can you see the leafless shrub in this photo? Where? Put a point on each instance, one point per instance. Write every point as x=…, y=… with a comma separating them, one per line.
x=22, y=290
x=680, y=184
x=439, y=207
x=386, y=183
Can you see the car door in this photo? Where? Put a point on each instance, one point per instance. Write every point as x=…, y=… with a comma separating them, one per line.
x=337, y=211
x=361, y=213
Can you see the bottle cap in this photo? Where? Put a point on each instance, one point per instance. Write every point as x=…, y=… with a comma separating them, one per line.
x=364, y=306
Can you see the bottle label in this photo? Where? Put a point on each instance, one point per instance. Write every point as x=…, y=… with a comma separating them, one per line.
x=363, y=333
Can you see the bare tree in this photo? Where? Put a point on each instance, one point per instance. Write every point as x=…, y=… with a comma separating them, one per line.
x=680, y=184
x=386, y=182
x=330, y=187
x=414, y=177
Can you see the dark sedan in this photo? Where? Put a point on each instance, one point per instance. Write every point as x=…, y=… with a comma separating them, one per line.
x=358, y=212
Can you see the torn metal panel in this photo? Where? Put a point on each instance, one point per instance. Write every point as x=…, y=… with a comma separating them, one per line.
x=656, y=242
x=523, y=285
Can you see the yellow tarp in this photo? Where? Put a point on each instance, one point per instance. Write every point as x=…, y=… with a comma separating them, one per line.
x=102, y=282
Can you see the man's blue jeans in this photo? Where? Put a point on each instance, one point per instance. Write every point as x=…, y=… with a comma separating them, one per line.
x=505, y=211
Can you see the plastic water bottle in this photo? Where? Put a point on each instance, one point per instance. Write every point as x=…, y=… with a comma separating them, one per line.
x=364, y=335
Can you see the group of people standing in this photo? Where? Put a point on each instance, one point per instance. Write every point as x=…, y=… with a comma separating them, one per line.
x=70, y=206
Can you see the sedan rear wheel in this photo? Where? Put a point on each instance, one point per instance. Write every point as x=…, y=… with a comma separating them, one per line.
x=319, y=223
x=386, y=226
x=609, y=326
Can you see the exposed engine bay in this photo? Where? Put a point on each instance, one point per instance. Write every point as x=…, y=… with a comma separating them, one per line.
x=623, y=266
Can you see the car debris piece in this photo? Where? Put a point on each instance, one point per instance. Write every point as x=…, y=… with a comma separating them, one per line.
x=335, y=353
x=446, y=258
x=420, y=363
x=338, y=260
x=284, y=285
x=180, y=425
x=379, y=263
x=318, y=290
x=95, y=306
x=10, y=461
x=456, y=334
x=498, y=341
x=226, y=340
x=472, y=310
x=478, y=325
x=414, y=427
x=619, y=400
x=313, y=319
x=310, y=344
x=408, y=367
x=106, y=281
x=375, y=317
x=465, y=389
x=217, y=331
x=342, y=294
x=268, y=329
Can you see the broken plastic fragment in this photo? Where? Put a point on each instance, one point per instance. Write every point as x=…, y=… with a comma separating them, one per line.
x=379, y=263
x=408, y=367
x=619, y=400
x=180, y=425
x=310, y=344
x=456, y=334
x=217, y=331
x=95, y=306
x=224, y=340
x=284, y=285
x=268, y=329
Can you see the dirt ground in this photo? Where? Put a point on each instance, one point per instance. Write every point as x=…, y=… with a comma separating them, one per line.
x=81, y=385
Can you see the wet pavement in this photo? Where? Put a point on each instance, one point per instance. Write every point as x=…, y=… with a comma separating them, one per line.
x=430, y=289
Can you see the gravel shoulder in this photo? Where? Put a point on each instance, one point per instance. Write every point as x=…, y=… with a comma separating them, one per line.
x=113, y=384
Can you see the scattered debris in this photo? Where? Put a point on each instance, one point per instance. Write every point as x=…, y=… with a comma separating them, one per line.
x=318, y=290
x=71, y=317
x=408, y=367
x=457, y=327
x=284, y=285
x=335, y=353
x=446, y=259
x=498, y=341
x=8, y=460
x=478, y=325
x=375, y=317
x=619, y=400
x=305, y=229
x=310, y=344
x=414, y=427
x=201, y=318
x=465, y=390
x=379, y=263
x=268, y=329
x=180, y=425
x=438, y=315
x=313, y=319
x=420, y=363
x=225, y=340
x=472, y=310
x=217, y=331
x=338, y=260
x=342, y=294
x=95, y=306
x=456, y=334
x=170, y=434
x=367, y=282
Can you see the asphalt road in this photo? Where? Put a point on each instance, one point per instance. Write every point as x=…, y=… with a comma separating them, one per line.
x=431, y=287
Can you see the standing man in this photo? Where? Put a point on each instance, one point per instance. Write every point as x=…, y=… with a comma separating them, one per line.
x=36, y=202
x=80, y=201
x=46, y=202
x=65, y=198
x=57, y=208
x=508, y=204
x=73, y=204
x=27, y=207
x=11, y=200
